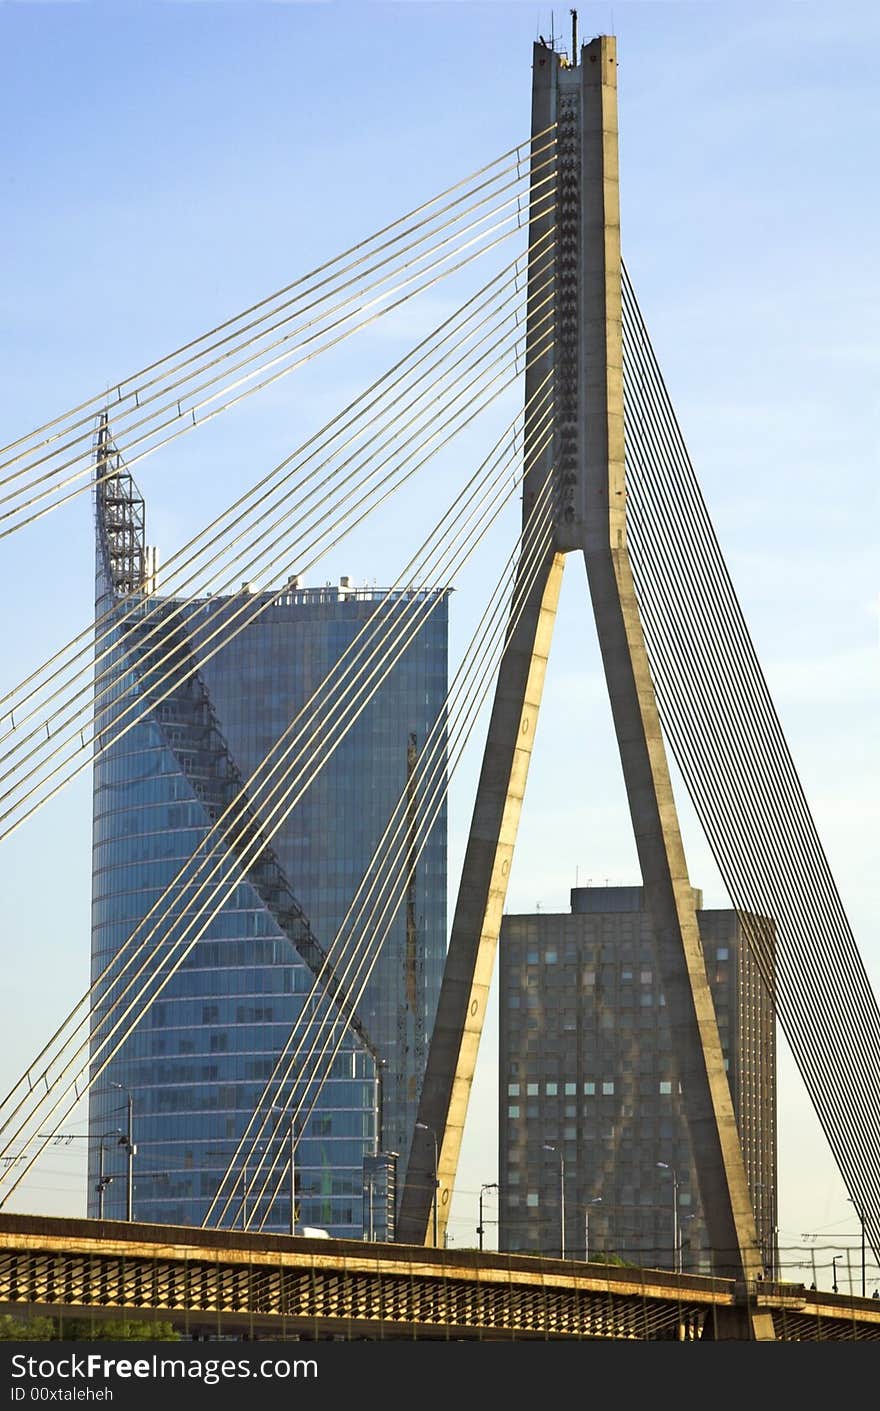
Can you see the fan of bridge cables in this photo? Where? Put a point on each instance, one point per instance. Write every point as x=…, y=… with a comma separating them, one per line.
x=286, y=330
x=727, y=740
x=282, y=526
x=715, y=706
x=293, y=516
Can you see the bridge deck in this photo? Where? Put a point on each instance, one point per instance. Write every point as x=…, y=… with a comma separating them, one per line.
x=219, y=1282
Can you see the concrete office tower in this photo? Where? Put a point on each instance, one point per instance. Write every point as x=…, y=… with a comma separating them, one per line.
x=590, y=1115
x=196, y=1065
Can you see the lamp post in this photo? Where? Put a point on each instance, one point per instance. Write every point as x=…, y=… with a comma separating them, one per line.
x=682, y=1221
x=486, y=1186
x=597, y=1200
x=103, y=1181
x=127, y=1141
x=548, y=1147
x=834, y=1272
x=860, y=1211
x=423, y=1127
x=676, y=1252
x=292, y=1178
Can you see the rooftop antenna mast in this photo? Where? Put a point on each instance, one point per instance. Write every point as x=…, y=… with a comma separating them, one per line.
x=574, y=37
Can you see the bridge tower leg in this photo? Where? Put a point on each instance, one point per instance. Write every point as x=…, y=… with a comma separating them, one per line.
x=461, y=1006
x=598, y=521
x=588, y=464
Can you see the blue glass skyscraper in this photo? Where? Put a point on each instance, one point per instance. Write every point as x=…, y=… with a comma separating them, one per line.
x=194, y=1065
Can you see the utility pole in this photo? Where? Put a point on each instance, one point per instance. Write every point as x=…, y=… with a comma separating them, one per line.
x=423, y=1127
x=548, y=1147
x=292, y=1180
x=127, y=1141
x=597, y=1200
x=129, y=1152
x=486, y=1186
x=860, y=1211
x=103, y=1181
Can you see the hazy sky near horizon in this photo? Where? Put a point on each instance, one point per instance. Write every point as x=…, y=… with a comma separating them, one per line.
x=166, y=165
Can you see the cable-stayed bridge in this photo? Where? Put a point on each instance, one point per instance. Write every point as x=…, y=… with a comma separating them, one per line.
x=596, y=456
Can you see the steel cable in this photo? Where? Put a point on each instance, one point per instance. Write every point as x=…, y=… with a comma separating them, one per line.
x=672, y=689
x=15, y=814
x=366, y=960
x=167, y=974
x=97, y=401
x=28, y=1078
x=769, y=800
x=354, y=921
x=188, y=414
x=312, y=1087
x=252, y=568
x=16, y=700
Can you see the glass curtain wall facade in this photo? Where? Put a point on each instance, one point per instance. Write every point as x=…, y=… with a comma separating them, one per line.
x=194, y=1064
x=589, y=1098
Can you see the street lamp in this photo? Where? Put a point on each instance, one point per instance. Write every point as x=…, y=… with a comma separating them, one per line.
x=486, y=1186
x=423, y=1127
x=676, y=1252
x=103, y=1181
x=548, y=1147
x=860, y=1211
x=834, y=1272
x=292, y=1177
x=127, y=1141
x=597, y=1200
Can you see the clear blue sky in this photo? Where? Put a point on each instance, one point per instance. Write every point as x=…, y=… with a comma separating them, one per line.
x=165, y=165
